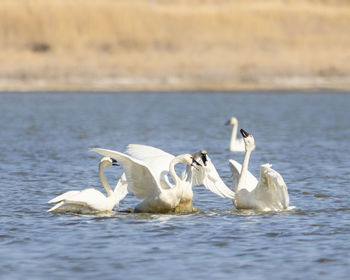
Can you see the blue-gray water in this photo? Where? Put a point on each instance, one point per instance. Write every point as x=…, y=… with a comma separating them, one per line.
x=44, y=146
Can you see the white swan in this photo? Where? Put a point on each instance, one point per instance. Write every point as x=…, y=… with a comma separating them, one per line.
x=236, y=145
x=157, y=196
x=158, y=161
x=89, y=200
x=270, y=193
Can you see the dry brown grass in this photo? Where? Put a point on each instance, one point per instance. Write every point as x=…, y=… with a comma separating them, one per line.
x=174, y=44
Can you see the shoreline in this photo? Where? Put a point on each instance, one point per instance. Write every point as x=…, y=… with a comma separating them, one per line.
x=316, y=84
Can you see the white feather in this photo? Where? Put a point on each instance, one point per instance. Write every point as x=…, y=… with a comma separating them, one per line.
x=269, y=193
x=144, y=185
x=141, y=180
x=89, y=200
x=159, y=161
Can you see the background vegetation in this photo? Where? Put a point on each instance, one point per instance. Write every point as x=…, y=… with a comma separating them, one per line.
x=174, y=44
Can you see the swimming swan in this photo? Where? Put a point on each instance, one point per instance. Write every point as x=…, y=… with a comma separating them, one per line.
x=89, y=200
x=236, y=145
x=144, y=184
x=158, y=161
x=270, y=193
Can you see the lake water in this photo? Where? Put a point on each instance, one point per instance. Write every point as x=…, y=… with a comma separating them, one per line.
x=44, y=151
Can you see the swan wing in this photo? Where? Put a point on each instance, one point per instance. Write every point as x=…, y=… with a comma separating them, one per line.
x=90, y=196
x=156, y=159
x=63, y=196
x=140, y=179
x=236, y=171
x=236, y=168
x=72, y=206
x=213, y=182
x=144, y=152
x=88, y=199
x=272, y=183
x=121, y=189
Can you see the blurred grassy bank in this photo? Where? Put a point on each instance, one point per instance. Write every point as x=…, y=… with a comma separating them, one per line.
x=178, y=44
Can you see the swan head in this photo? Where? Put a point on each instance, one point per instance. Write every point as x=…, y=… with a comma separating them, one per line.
x=190, y=160
x=248, y=140
x=108, y=161
x=232, y=121
x=202, y=155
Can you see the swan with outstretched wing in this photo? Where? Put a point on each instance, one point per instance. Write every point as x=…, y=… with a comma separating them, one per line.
x=206, y=174
x=145, y=185
x=269, y=193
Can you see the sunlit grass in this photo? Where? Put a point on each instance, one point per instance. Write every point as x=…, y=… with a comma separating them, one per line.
x=190, y=43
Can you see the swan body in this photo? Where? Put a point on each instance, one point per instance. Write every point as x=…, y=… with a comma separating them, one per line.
x=158, y=161
x=157, y=196
x=269, y=193
x=87, y=201
x=236, y=144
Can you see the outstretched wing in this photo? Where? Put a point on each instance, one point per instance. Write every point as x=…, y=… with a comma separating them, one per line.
x=276, y=187
x=157, y=160
x=141, y=180
x=236, y=172
x=144, y=152
x=209, y=177
x=213, y=182
x=121, y=189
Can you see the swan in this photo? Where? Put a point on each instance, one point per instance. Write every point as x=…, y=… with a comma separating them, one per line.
x=269, y=193
x=158, y=161
x=236, y=145
x=89, y=200
x=157, y=196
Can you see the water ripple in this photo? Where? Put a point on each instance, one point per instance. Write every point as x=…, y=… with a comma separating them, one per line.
x=44, y=152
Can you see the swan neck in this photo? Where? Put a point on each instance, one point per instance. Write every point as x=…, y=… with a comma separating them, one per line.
x=179, y=190
x=233, y=135
x=104, y=180
x=172, y=171
x=244, y=171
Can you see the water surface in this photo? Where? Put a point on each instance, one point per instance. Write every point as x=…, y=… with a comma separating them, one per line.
x=44, y=146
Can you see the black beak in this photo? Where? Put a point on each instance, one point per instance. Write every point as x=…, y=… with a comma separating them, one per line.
x=114, y=162
x=244, y=133
x=196, y=162
x=204, y=159
x=227, y=123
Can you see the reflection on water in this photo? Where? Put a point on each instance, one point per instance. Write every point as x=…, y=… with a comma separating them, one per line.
x=44, y=146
